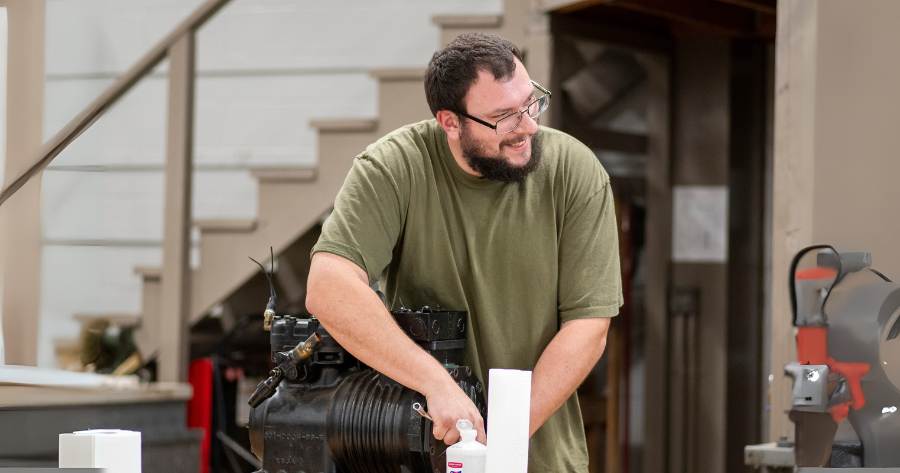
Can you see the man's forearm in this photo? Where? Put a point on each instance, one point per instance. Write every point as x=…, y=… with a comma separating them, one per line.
x=339, y=295
x=355, y=316
x=564, y=364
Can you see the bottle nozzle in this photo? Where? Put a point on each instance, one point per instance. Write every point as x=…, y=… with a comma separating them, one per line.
x=466, y=429
x=464, y=424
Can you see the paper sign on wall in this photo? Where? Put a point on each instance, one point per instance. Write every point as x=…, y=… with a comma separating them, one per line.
x=700, y=224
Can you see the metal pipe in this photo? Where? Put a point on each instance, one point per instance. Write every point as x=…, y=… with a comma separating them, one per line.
x=305, y=349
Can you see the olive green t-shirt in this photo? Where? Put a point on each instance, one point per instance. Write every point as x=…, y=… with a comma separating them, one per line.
x=521, y=258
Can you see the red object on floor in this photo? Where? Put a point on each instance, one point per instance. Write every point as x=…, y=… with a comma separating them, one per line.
x=199, y=409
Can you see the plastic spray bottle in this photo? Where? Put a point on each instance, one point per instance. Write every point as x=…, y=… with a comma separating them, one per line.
x=468, y=455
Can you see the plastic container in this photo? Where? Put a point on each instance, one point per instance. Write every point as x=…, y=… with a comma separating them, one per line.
x=468, y=455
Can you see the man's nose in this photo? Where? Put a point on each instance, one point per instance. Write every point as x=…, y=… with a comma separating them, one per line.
x=528, y=125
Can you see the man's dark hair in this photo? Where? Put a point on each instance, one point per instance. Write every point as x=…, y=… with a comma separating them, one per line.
x=455, y=68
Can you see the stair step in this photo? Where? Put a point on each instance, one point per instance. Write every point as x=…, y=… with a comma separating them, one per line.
x=224, y=268
x=401, y=98
x=345, y=124
x=467, y=21
x=398, y=73
x=452, y=26
x=284, y=173
x=225, y=225
x=67, y=352
x=148, y=273
x=122, y=319
x=67, y=344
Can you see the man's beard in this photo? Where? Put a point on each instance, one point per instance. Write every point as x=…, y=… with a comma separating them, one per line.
x=498, y=168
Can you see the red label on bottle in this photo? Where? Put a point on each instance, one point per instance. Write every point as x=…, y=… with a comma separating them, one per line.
x=454, y=464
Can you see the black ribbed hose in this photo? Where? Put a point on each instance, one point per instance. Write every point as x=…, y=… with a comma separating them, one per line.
x=372, y=429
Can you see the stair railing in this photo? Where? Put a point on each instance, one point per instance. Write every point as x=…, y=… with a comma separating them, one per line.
x=74, y=128
x=179, y=47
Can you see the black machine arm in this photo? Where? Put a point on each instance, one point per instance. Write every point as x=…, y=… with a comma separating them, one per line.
x=290, y=360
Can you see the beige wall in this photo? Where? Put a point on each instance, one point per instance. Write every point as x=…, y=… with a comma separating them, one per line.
x=857, y=142
x=837, y=137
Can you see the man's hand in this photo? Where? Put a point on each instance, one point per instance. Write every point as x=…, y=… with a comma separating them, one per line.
x=447, y=403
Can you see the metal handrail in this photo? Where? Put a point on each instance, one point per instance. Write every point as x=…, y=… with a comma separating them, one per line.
x=113, y=93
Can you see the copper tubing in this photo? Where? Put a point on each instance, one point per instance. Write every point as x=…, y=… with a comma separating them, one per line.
x=305, y=349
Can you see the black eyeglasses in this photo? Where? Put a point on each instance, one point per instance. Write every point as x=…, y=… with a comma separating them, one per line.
x=511, y=122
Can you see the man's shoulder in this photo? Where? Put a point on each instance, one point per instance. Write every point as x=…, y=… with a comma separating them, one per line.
x=401, y=154
x=405, y=143
x=568, y=156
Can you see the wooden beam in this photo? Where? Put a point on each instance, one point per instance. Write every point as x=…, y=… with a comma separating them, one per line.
x=750, y=99
x=622, y=27
x=610, y=140
x=730, y=18
x=793, y=187
x=567, y=6
x=706, y=15
x=762, y=6
x=614, y=361
x=701, y=151
x=175, y=301
x=657, y=256
x=20, y=220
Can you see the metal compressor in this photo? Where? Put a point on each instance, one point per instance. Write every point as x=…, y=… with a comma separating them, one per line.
x=323, y=411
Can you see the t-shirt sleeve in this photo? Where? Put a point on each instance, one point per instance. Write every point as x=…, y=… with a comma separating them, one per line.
x=367, y=217
x=590, y=283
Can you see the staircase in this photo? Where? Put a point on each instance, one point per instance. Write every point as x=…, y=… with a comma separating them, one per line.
x=293, y=201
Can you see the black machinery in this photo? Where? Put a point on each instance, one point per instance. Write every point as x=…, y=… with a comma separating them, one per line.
x=323, y=411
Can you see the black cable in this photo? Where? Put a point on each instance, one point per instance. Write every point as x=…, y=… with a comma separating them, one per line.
x=880, y=275
x=235, y=467
x=272, y=295
x=792, y=277
x=238, y=449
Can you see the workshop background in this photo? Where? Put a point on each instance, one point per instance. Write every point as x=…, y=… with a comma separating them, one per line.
x=735, y=131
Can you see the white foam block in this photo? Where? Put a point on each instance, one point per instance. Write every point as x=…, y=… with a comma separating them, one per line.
x=509, y=410
x=118, y=451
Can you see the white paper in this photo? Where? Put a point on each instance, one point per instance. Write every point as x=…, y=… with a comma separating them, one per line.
x=117, y=451
x=33, y=376
x=509, y=410
x=700, y=224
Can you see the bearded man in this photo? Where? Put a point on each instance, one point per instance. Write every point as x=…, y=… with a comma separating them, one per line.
x=483, y=210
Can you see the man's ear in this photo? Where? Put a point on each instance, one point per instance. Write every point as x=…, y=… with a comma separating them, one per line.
x=449, y=121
